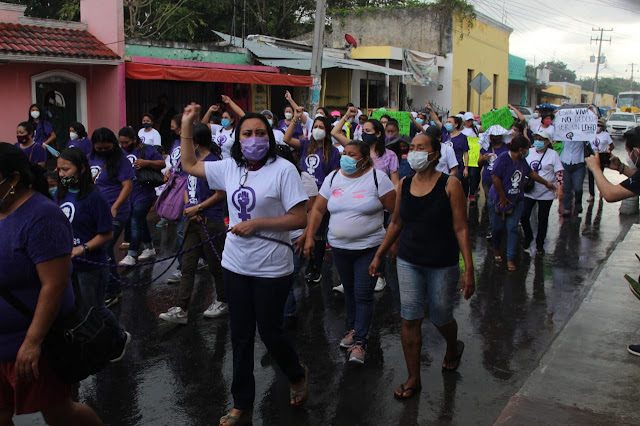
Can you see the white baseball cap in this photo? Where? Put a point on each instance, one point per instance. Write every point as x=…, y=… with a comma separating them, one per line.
x=543, y=134
x=468, y=116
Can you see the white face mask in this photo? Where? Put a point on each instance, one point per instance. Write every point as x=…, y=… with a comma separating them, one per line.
x=318, y=134
x=35, y=114
x=632, y=164
x=73, y=136
x=419, y=160
x=319, y=115
x=288, y=115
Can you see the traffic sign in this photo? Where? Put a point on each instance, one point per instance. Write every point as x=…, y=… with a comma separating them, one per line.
x=480, y=83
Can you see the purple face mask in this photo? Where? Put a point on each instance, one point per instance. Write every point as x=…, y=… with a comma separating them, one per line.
x=255, y=148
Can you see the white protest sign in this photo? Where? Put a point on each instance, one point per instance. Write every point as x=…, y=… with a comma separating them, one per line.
x=575, y=124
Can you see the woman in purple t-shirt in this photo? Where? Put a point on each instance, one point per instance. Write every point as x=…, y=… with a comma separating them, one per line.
x=44, y=133
x=35, y=267
x=113, y=175
x=506, y=196
x=318, y=157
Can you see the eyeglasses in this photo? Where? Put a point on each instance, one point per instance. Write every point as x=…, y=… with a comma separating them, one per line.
x=243, y=178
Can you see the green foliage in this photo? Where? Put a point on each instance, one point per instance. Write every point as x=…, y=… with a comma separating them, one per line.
x=609, y=85
x=51, y=9
x=558, y=71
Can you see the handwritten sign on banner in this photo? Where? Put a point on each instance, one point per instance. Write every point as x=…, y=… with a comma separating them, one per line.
x=402, y=117
x=501, y=117
x=575, y=124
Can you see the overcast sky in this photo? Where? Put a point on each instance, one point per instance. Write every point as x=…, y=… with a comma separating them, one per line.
x=561, y=29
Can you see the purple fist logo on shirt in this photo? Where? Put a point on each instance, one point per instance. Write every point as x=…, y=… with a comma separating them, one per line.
x=221, y=140
x=244, y=200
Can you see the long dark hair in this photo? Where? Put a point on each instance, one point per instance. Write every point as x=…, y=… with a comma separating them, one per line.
x=78, y=158
x=458, y=122
x=285, y=152
x=378, y=128
x=30, y=118
x=327, y=143
x=236, y=148
x=79, y=128
x=13, y=159
x=365, y=150
x=129, y=133
x=202, y=136
x=105, y=135
x=28, y=127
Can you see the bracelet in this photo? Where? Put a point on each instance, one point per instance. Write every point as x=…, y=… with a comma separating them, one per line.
x=186, y=137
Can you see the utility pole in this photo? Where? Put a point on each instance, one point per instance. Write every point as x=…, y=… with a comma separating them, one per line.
x=598, y=40
x=316, y=56
x=631, y=79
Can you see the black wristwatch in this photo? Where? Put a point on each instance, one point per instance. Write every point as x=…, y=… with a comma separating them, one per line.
x=85, y=248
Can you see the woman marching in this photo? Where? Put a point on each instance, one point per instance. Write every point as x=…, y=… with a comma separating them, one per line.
x=267, y=200
x=43, y=132
x=356, y=197
x=203, y=209
x=319, y=158
x=429, y=230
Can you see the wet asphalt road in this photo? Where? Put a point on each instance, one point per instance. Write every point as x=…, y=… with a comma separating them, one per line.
x=181, y=375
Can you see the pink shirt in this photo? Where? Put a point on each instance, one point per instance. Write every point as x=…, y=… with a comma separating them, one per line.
x=388, y=163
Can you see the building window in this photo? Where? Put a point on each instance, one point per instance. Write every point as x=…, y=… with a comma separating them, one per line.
x=373, y=94
x=469, y=78
x=495, y=89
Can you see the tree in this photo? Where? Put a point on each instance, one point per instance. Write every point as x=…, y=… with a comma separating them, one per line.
x=609, y=85
x=558, y=71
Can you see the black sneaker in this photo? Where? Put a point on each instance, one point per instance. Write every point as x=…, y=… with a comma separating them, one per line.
x=121, y=353
x=579, y=209
x=111, y=299
x=314, y=277
x=634, y=349
x=540, y=252
x=309, y=272
x=526, y=243
x=489, y=236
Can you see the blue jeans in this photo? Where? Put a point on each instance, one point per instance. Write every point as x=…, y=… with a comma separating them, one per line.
x=510, y=222
x=291, y=306
x=139, y=227
x=573, y=181
x=255, y=300
x=89, y=288
x=113, y=286
x=353, y=268
x=437, y=284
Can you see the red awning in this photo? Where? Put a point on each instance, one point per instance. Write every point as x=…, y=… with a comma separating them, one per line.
x=137, y=71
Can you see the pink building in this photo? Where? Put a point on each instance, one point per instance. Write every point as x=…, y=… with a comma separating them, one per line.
x=74, y=70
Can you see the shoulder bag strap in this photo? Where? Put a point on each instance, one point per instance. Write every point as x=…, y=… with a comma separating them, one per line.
x=16, y=303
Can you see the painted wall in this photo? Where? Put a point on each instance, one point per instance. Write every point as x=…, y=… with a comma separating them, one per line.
x=484, y=49
x=570, y=90
x=105, y=20
x=211, y=56
x=15, y=84
x=440, y=99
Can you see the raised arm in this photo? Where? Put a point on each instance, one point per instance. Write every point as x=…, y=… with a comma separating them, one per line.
x=210, y=111
x=234, y=107
x=187, y=153
x=518, y=113
x=335, y=132
x=288, y=135
x=295, y=106
x=433, y=115
x=419, y=126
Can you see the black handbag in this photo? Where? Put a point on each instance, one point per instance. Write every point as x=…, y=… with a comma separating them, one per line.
x=148, y=176
x=529, y=183
x=77, y=345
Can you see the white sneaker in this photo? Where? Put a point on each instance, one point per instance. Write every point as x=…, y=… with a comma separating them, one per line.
x=127, y=261
x=202, y=265
x=380, y=284
x=175, y=315
x=147, y=254
x=216, y=309
x=176, y=277
x=339, y=288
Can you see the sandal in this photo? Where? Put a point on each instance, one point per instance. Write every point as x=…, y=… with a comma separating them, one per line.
x=460, y=347
x=245, y=418
x=400, y=396
x=497, y=259
x=303, y=393
x=512, y=267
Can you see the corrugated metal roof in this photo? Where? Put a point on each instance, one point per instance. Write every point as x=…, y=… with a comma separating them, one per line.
x=286, y=58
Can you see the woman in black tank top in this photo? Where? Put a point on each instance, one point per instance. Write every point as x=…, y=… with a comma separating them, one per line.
x=428, y=230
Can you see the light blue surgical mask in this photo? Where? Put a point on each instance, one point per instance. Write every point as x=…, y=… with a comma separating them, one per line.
x=225, y=122
x=270, y=122
x=539, y=145
x=526, y=154
x=348, y=164
x=419, y=121
x=432, y=123
x=448, y=127
x=536, y=115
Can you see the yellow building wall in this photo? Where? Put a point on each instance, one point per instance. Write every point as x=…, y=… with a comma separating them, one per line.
x=608, y=100
x=336, y=87
x=484, y=49
x=574, y=93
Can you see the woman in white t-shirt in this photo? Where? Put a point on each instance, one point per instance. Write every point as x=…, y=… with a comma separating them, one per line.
x=546, y=162
x=546, y=126
x=266, y=201
x=356, y=196
x=148, y=135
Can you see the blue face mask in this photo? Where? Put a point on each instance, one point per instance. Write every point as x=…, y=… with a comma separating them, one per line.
x=432, y=123
x=539, y=145
x=448, y=127
x=419, y=121
x=475, y=123
x=270, y=122
x=52, y=191
x=348, y=164
x=536, y=115
x=225, y=122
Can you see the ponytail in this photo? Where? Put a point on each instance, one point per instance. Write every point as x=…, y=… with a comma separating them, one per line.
x=39, y=182
x=14, y=160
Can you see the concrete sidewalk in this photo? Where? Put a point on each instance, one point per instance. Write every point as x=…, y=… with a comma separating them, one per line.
x=587, y=376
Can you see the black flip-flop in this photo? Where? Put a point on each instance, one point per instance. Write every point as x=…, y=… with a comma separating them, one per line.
x=413, y=391
x=460, y=347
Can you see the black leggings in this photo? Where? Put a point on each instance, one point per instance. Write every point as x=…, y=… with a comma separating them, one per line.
x=544, y=207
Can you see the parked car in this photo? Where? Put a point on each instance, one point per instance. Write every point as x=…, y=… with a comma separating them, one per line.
x=526, y=111
x=620, y=122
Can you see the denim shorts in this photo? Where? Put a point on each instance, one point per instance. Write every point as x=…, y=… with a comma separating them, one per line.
x=418, y=283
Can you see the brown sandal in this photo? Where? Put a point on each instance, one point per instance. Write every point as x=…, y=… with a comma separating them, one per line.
x=245, y=418
x=303, y=393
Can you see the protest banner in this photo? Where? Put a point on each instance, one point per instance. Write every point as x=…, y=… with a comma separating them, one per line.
x=575, y=124
x=402, y=117
x=501, y=117
x=474, y=151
